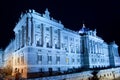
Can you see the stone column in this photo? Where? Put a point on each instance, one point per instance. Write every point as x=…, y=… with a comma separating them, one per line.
x=59, y=38
x=29, y=31
x=22, y=36
x=92, y=47
x=18, y=39
x=42, y=35
x=51, y=37
x=117, y=51
x=32, y=31
x=101, y=48
x=95, y=47
x=27, y=24
x=88, y=46
x=98, y=46
x=114, y=51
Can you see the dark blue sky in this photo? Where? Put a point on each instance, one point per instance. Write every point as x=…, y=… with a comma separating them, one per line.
x=104, y=15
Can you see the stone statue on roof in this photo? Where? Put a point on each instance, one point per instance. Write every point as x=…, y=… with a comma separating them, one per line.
x=47, y=13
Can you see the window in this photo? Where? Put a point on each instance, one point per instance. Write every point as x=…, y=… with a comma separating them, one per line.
x=66, y=49
x=56, y=31
x=104, y=75
x=72, y=48
x=38, y=26
x=77, y=48
x=22, y=59
x=38, y=40
x=47, y=28
x=67, y=60
x=41, y=70
x=18, y=60
x=48, y=43
x=39, y=59
x=16, y=69
x=78, y=61
x=58, y=69
x=57, y=59
x=22, y=70
x=71, y=39
x=73, y=60
x=56, y=46
x=66, y=37
x=56, y=42
x=92, y=60
x=49, y=59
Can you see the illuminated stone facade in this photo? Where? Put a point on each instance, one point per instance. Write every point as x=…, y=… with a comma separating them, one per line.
x=114, y=55
x=95, y=50
x=43, y=44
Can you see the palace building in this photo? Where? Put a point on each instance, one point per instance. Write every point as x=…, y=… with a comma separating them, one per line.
x=43, y=44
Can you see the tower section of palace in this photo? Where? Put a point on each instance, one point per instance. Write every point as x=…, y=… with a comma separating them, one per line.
x=43, y=44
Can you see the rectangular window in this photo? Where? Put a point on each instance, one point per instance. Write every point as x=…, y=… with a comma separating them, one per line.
x=67, y=60
x=56, y=46
x=56, y=31
x=49, y=59
x=48, y=45
x=57, y=59
x=78, y=60
x=65, y=37
x=39, y=59
x=22, y=59
x=22, y=71
x=47, y=28
x=22, y=36
x=73, y=60
x=18, y=60
x=37, y=40
x=72, y=50
x=77, y=48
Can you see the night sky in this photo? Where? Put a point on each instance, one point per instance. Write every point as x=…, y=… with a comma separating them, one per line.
x=102, y=15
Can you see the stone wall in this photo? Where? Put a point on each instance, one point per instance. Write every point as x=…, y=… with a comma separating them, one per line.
x=75, y=76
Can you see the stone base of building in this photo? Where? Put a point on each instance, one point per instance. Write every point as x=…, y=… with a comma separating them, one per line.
x=74, y=76
x=41, y=74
